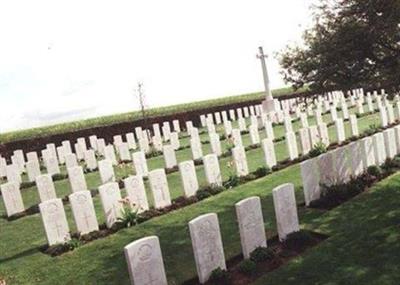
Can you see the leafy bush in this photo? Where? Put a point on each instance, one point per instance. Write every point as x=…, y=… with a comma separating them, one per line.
x=232, y=181
x=319, y=148
x=73, y=244
x=262, y=171
x=373, y=128
x=374, y=170
x=248, y=267
x=129, y=217
x=202, y=194
x=261, y=254
x=220, y=277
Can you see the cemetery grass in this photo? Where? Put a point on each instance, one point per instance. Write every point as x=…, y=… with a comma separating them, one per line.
x=132, y=116
x=102, y=262
x=362, y=247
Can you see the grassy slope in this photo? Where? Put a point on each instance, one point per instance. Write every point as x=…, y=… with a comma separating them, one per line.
x=131, y=116
x=101, y=262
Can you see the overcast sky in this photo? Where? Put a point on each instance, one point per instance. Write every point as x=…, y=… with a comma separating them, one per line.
x=64, y=60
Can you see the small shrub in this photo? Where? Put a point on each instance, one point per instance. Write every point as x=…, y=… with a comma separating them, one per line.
x=373, y=128
x=129, y=217
x=318, y=149
x=232, y=181
x=248, y=267
x=374, y=170
x=202, y=194
x=220, y=276
x=261, y=254
x=73, y=244
x=215, y=189
x=262, y=171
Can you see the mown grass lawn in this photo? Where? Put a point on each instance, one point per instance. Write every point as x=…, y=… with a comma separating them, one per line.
x=102, y=262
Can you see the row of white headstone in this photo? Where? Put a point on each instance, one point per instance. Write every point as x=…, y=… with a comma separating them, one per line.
x=53, y=155
x=309, y=136
x=339, y=165
x=144, y=257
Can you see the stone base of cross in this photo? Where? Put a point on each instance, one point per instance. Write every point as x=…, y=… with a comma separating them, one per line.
x=270, y=105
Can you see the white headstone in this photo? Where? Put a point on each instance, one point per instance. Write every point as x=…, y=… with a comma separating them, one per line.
x=123, y=151
x=251, y=225
x=159, y=188
x=291, y=145
x=237, y=137
x=340, y=134
x=195, y=146
x=106, y=171
x=140, y=163
x=169, y=157
x=77, y=179
x=254, y=135
x=130, y=139
x=269, y=152
x=239, y=158
x=109, y=153
x=207, y=245
x=215, y=144
x=136, y=193
x=83, y=212
x=379, y=148
x=145, y=262
x=33, y=170
x=54, y=221
x=12, y=198
x=110, y=197
x=70, y=160
x=367, y=149
x=90, y=159
x=310, y=176
x=187, y=172
x=285, y=210
x=354, y=125
x=212, y=170
x=45, y=187
x=390, y=143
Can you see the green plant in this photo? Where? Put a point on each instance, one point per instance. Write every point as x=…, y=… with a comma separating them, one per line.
x=220, y=277
x=372, y=129
x=319, y=148
x=232, y=181
x=374, y=170
x=261, y=254
x=248, y=267
x=129, y=217
x=202, y=194
x=262, y=171
x=73, y=244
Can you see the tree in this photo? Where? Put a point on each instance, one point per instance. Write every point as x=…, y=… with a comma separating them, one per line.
x=351, y=43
